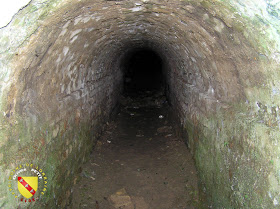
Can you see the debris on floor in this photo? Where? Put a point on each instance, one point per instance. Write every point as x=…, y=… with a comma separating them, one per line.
x=144, y=99
x=140, y=164
x=164, y=129
x=121, y=200
x=88, y=174
x=139, y=133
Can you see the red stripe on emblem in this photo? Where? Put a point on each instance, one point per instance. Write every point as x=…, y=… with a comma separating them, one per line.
x=26, y=185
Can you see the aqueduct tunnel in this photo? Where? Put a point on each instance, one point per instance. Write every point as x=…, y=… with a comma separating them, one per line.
x=62, y=72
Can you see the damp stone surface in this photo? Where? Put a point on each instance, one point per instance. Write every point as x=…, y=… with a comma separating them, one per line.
x=61, y=78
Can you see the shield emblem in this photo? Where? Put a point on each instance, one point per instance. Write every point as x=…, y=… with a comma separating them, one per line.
x=28, y=186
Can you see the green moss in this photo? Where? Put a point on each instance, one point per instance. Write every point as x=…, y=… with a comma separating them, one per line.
x=233, y=158
x=206, y=4
x=33, y=8
x=52, y=157
x=149, y=6
x=16, y=22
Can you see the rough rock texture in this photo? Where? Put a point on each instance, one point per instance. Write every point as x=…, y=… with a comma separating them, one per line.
x=60, y=78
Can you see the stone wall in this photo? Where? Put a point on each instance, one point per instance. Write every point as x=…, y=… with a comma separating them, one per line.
x=61, y=78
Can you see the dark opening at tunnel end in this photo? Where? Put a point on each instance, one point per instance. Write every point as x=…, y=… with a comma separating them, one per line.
x=143, y=71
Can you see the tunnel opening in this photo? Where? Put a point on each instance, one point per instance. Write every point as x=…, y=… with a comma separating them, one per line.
x=139, y=147
x=143, y=72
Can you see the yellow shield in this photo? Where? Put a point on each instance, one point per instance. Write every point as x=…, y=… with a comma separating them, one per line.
x=27, y=186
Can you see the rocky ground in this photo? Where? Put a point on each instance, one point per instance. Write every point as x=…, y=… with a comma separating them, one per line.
x=139, y=163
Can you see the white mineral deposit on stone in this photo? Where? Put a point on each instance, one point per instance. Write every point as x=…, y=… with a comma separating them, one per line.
x=63, y=32
x=90, y=29
x=75, y=33
x=65, y=50
x=77, y=20
x=275, y=202
x=86, y=19
x=67, y=24
x=136, y=9
x=58, y=59
x=73, y=39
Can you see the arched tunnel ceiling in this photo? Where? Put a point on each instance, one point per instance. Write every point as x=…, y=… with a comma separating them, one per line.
x=61, y=78
x=193, y=40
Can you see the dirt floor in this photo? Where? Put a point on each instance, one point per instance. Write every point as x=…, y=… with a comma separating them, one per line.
x=138, y=163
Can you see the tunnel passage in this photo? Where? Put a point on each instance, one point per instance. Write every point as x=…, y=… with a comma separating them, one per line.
x=143, y=71
x=61, y=79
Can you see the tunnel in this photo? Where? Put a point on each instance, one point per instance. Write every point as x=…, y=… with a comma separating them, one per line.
x=65, y=65
x=142, y=70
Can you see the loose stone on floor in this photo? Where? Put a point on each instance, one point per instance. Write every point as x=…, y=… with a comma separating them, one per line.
x=138, y=163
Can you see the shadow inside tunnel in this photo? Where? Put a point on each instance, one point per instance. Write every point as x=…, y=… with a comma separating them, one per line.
x=139, y=162
x=143, y=71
